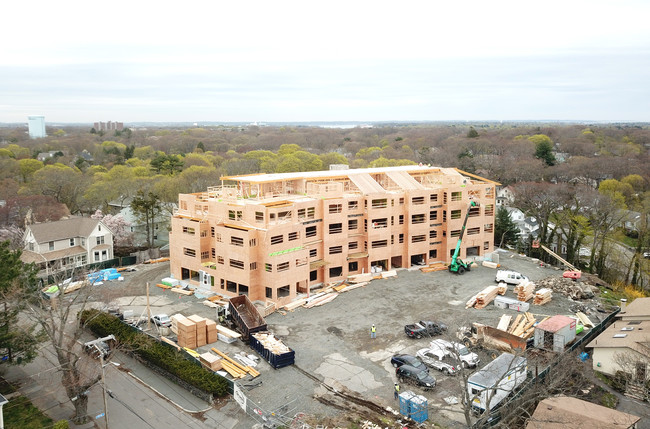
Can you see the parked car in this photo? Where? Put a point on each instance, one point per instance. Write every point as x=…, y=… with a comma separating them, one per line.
x=419, y=377
x=456, y=350
x=410, y=360
x=510, y=277
x=424, y=328
x=162, y=320
x=438, y=359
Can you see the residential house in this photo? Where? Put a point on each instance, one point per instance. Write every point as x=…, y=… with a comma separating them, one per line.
x=273, y=236
x=65, y=244
x=139, y=229
x=505, y=196
x=639, y=309
x=44, y=156
x=565, y=412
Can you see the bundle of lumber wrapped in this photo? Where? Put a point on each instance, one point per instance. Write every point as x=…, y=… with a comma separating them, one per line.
x=502, y=288
x=525, y=291
x=211, y=333
x=486, y=296
x=211, y=361
x=199, y=323
x=542, y=296
x=186, y=333
x=234, y=368
x=227, y=335
x=523, y=325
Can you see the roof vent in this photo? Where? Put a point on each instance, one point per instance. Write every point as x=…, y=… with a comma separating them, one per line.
x=620, y=335
x=627, y=328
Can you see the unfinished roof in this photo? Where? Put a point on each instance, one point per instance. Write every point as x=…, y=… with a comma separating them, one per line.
x=334, y=174
x=565, y=412
x=496, y=370
x=555, y=323
x=62, y=229
x=625, y=334
x=640, y=307
x=404, y=180
x=366, y=184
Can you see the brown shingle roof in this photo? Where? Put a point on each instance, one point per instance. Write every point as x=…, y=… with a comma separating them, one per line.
x=638, y=338
x=564, y=412
x=62, y=229
x=637, y=308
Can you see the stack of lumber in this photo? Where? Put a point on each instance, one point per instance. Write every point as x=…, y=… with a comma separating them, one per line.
x=502, y=288
x=234, y=368
x=436, y=266
x=186, y=333
x=323, y=299
x=358, y=278
x=490, y=264
x=542, y=296
x=504, y=322
x=209, y=303
x=354, y=286
x=523, y=325
x=163, y=286
x=175, y=318
x=211, y=361
x=199, y=322
x=525, y=291
x=584, y=319
x=182, y=291
x=486, y=296
x=471, y=302
x=295, y=304
x=211, y=333
x=227, y=335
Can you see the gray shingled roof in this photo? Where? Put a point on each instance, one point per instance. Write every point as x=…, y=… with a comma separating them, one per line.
x=62, y=229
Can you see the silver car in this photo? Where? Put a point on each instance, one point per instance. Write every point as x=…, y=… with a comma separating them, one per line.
x=438, y=359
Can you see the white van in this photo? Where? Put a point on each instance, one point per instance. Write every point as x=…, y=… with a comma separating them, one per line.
x=511, y=277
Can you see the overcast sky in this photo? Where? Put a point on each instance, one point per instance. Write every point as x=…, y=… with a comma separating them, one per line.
x=274, y=61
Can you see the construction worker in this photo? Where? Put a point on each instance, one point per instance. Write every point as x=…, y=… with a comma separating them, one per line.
x=396, y=391
x=373, y=332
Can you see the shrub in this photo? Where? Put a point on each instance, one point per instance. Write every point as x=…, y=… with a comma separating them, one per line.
x=159, y=354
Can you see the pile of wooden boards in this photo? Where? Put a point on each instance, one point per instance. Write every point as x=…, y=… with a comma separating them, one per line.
x=525, y=291
x=199, y=323
x=186, y=332
x=486, y=296
x=227, y=335
x=182, y=291
x=324, y=299
x=194, y=331
x=436, y=266
x=234, y=368
x=542, y=296
x=521, y=327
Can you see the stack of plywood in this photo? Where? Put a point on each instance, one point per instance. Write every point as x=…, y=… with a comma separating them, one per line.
x=211, y=333
x=186, y=333
x=211, y=361
x=227, y=335
x=486, y=296
x=175, y=318
x=525, y=291
x=199, y=322
x=542, y=296
x=504, y=322
x=436, y=266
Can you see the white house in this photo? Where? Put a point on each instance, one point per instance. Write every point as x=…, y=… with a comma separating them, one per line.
x=505, y=196
x=66, y=244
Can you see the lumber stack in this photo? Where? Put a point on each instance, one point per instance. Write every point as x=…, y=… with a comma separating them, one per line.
x=175, y=318
x=211, y=361
x=227, y=335
x=234, y=368
x=295, y=304
x=182, y=291
x=186, y=333
x=211, y=333
x=486, y=296
x=323, y=299
x=504, y=322
x=542, y=296
x=436, y=266
x=525, y=291
x=523, y=325
x=502, y=288
x=199, y=322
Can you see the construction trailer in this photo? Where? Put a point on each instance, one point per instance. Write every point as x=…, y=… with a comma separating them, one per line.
x=555, y=333
x=491, y=385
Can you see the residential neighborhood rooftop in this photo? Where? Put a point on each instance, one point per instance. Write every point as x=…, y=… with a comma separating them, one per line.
x=632, y=334
x=566, y=412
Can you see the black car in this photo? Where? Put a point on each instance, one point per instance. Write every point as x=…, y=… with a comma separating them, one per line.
x=417, y=376
x=401, y=359
x=424, y=328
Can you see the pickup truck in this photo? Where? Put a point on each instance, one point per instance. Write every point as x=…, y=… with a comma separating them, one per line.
x=424, y=328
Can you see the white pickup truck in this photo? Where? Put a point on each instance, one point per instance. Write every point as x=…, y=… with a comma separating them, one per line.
x=458, y=351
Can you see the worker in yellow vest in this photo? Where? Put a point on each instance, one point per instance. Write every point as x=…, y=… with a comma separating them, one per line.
x=396, y=391
x=373, y=332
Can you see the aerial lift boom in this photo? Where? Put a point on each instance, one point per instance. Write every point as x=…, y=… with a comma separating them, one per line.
x=573, y=272
x=457, y=265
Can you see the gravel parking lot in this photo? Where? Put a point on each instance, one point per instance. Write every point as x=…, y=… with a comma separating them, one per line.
x=334, y=351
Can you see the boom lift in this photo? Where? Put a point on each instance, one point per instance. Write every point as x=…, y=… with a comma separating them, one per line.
x=457, y=265
x=572, y=273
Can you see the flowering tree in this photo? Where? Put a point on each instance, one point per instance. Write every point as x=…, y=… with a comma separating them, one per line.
x=122, y=235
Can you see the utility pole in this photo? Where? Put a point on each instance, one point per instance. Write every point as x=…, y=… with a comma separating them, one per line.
x=148, y=310
x=101, y=361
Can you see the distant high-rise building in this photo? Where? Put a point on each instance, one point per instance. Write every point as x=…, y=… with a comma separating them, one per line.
x=36, y=126
x=109, y=126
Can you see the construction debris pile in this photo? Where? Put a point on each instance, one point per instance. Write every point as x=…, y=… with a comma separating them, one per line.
x=522, y=326
x=570, y=288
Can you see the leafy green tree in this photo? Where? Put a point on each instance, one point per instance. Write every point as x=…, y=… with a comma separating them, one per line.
x=146, y=206
x=621, y=193
x=167, y=164
x=19, y=341
x=332, y=158
x=28, y=167
x=200, y=146
x=129, y=151
x=505, y=229
x=64, y=183
x=472, y=133
x=543, y=148
x=93, y=130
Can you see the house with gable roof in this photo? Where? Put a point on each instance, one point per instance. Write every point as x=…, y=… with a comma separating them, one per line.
x=68, y=243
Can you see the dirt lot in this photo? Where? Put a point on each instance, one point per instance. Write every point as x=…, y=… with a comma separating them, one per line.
x=332, y=342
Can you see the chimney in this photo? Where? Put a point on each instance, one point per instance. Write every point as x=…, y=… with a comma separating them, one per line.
x=623, y=304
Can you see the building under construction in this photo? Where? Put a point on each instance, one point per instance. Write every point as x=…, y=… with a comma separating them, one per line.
x=273, y=236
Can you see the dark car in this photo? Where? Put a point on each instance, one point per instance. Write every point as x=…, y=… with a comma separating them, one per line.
x=417, y=376
x=410, y=360
x=424, y=328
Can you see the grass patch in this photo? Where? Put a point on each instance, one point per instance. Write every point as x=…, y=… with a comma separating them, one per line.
x=20, y=412
x=609, y=400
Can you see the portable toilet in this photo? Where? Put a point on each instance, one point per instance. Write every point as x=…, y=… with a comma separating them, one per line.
x=419, y=408
x=405, y=402
x=555, y=333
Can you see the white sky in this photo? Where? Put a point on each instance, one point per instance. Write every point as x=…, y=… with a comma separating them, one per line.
x=80, y=61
